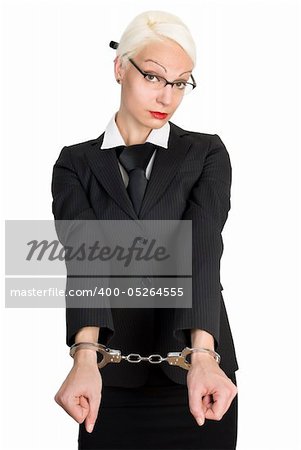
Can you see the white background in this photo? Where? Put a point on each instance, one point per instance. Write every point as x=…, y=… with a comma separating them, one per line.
x=58, y=88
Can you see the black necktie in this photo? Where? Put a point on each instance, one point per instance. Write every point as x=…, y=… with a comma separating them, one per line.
x=135, y=159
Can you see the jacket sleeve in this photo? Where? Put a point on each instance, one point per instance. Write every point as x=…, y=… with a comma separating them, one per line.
x=70, y=203
x=207, y=207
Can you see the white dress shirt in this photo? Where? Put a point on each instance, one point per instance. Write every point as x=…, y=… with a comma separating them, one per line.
x=113, y=138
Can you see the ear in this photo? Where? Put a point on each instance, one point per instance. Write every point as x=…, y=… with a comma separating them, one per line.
x=119, y=69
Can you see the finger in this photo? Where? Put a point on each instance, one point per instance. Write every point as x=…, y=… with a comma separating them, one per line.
x=83, y=402
x=77, y=407
x=218, y=407
x=93, y=413
x=196, y=405
x=207, y=401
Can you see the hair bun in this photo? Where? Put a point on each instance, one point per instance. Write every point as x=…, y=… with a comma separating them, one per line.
x=113, y=44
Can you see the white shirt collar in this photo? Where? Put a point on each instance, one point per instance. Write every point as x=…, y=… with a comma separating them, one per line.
x=113, y=138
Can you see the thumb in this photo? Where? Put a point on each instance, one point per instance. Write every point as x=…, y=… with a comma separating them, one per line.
x=196, y=406
x=82, y=408
x=92, y=414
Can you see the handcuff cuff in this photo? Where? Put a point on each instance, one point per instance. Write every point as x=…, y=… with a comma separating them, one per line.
x=110, y=355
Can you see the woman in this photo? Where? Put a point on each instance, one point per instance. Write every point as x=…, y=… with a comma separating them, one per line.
x=186, y=175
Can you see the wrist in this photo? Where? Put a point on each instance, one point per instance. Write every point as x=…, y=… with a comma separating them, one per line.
x=84, y=352
x=85, y=356
x=201, y=338
x=201, y=357
x=199, y=354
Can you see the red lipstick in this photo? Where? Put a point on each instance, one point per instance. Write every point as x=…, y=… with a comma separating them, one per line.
x=158, y=115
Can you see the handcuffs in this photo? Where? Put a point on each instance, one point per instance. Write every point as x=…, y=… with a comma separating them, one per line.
x=110, y=355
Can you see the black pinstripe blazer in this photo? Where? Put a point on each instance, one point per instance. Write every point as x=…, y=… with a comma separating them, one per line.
x=189, y=180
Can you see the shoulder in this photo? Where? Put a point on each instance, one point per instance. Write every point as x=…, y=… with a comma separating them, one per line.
x=209, y=140
x=79, y=149
x=84, y=145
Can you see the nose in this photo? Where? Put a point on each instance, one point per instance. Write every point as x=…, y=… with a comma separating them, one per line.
x=165, y=95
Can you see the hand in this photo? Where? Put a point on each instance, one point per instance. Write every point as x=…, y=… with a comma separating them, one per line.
x=80, y=393
x=210, y=391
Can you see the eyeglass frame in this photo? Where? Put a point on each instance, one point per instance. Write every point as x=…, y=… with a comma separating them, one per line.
x=193, y=84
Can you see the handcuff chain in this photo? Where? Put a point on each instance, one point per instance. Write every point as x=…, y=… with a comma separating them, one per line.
x=114, y=356
x=139, y=358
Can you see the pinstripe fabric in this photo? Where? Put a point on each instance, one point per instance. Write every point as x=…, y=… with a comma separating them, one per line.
x=189, y=180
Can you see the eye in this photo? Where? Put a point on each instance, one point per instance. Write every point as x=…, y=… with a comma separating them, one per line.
x=181, y=84
x=151, y=78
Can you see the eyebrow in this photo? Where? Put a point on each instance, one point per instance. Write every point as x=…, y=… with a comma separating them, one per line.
x=156, y=62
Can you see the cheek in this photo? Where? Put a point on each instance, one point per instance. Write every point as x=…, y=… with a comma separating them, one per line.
x=132, y=90
x=136, y=95
x=177, y=102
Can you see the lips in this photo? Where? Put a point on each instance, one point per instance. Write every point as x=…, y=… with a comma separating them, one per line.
x=158, y=115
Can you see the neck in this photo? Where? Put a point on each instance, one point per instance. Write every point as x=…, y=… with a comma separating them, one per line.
x=131, y=131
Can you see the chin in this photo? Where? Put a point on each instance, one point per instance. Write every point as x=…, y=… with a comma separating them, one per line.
x=155, y=123
x=159, y=125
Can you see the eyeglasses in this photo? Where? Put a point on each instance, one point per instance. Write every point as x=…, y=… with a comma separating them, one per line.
x=157, y=82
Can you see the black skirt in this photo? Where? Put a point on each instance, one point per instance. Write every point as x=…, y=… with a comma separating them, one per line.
x=156, y=416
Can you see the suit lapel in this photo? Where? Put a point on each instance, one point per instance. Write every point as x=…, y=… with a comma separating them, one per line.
x=104, y=164
x=166, y=164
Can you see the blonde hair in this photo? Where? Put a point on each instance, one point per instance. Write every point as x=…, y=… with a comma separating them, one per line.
x=154, y=26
